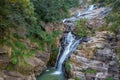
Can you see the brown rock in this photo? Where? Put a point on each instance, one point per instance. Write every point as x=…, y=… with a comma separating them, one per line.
x=13, y=75
x=95, y=23
x=36, y=64
x=1, y=78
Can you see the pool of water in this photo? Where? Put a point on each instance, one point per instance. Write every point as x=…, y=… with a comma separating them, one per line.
x=49, y=74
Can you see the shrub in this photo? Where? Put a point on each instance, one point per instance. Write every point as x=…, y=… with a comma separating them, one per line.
x=81, y=29
x=108, y=79
x=50, y=10
x=67, y=65
x=76, y=78
x=92, y=71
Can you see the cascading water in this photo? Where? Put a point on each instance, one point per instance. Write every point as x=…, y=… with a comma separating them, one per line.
x=68, y=44
x=91, y=7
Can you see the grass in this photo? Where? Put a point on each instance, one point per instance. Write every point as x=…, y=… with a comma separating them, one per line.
x=92, y=71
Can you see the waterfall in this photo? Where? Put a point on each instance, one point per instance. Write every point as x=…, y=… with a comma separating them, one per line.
x=91, y=7
x=68, y=44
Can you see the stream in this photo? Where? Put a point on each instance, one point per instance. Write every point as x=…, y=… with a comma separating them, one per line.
x=69, y=43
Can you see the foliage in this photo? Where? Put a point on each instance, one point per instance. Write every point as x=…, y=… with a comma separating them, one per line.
x=92, y=71
x=116, y=5
x=54, y=48
x=81, y=29
x=50, y=10
x=67, y=65
x=108, y=79
x=103, y=2
x=53, y=56
x=27, y=14
x=15, y=13
x=114, y=20
x=71, y=3
x=19, y=50
x=76, y=78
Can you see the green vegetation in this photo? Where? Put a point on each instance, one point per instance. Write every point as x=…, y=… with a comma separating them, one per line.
x=50, y=10
x=67, y=65
x=92, y=71
x=103, y=2
x=21, y=31
x=76, y=78
x=108, y=79
x=53, y=10
x=81, y=29
x=71, y=3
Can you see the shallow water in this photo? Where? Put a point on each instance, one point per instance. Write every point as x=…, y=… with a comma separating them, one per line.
x=49, y=75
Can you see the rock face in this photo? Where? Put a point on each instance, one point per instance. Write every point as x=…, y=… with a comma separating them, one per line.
x=36, y=64
x=12, y=75
x=95, y=23
x=95, y=59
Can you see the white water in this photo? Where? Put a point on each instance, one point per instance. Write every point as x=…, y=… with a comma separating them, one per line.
x=91, y=7
x=70, y=44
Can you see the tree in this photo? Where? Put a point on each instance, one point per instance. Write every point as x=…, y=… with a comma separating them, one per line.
x=53, y=10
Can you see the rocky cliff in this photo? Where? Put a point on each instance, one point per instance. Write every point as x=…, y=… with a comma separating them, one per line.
x=32, y=65
x=97, y=58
